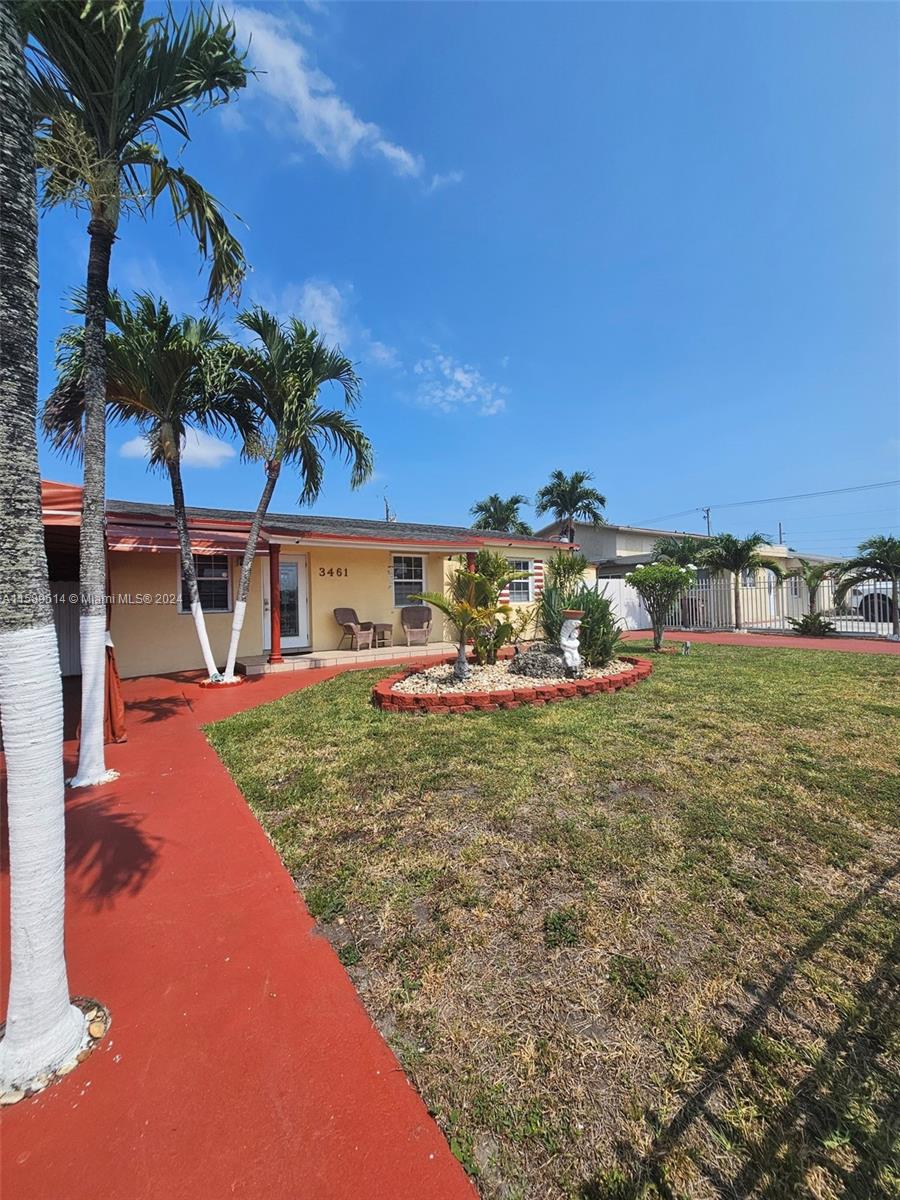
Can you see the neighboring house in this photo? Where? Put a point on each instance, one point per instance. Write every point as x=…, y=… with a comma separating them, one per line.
x=614, y=550
x=309, y=564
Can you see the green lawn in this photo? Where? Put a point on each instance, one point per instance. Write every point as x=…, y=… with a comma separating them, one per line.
x=635, y=946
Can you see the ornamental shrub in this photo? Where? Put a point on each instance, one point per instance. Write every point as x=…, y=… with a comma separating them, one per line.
x=659, y=585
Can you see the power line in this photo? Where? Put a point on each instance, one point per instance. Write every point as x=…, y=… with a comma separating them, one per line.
x=862, y=487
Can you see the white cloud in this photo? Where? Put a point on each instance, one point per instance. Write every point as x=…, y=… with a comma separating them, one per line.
x=317, y=302
x=380, y=353
x=448, y=385
x=322, y=304
x=320, y=117
x=200, y=449
x=439, y=180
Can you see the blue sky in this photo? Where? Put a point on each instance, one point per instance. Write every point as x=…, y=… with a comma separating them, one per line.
x=657, y=242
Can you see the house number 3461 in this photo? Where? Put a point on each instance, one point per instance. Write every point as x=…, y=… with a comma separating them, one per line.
x=339, y=572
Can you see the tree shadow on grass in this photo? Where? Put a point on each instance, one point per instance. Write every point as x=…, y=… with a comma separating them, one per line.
x=841, y=1119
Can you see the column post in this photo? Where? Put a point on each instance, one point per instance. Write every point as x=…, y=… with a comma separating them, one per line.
x=275, y=602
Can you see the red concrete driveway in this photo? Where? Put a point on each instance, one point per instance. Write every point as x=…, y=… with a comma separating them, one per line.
x=240, y=1061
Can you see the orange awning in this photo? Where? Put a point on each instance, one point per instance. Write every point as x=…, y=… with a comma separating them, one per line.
x=153, y=539
x=60, y=503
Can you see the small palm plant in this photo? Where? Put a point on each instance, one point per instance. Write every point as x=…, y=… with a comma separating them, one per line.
x=157, y=376
x=502, y=516
x=729, y=553
x=467, y=607
x=571, y=498
x=279, y=377
x=877, y=561
x=813, y=575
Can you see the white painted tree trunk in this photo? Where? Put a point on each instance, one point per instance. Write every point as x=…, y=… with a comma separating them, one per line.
x=203, y=637
x=237, y=624
x=91, y=758
x=273, y=467
x=43, y=1030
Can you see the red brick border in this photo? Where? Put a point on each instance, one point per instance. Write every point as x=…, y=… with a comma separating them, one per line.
x=384, y=696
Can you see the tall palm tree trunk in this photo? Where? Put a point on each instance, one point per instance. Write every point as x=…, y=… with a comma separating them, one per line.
x=737, y=599
x=43, y=1029
x=273, y=469
x=895, y=606
x=92, y=575
x=188, y=570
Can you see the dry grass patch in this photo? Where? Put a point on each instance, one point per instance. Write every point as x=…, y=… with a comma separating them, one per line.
x=634, y=947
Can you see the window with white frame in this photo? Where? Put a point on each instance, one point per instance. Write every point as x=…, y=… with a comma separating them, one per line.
x=795, y=587
x=520, y=590
x=213, y=584
x=748, y=578
x=408, y=578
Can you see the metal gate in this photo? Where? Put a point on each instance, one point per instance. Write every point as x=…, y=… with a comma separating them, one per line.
x=760, y=604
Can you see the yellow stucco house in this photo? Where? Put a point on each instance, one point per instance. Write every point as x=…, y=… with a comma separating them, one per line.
x=310, y=565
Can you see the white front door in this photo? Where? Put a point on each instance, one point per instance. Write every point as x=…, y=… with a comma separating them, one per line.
x=294, y=604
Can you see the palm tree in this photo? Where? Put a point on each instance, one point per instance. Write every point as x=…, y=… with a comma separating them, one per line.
x=682, y=551
x=728, y=553
x=878, y=560
x=467, y=607
x=157, y=374
x=43, y=1028
x=279, y=377
x=106, y=84
x=571, y=498
x=813, y=575
x=501, y=516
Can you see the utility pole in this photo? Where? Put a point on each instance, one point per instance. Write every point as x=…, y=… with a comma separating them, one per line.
x=780, y=534
x=706, y=513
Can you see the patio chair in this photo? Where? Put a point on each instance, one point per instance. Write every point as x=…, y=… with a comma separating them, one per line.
x=416, y=622
x=359, y=632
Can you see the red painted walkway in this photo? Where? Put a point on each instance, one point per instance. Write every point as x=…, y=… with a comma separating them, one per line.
x=240, y=1061
x=782, y=641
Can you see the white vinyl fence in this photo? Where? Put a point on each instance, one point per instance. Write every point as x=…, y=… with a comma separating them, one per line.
x=767, y=605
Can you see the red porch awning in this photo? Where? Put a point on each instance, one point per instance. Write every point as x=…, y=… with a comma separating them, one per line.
x=150, y=538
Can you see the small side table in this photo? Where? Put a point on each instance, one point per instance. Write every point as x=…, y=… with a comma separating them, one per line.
x=384, y=633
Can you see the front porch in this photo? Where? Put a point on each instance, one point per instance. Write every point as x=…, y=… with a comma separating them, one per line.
x=260, y=664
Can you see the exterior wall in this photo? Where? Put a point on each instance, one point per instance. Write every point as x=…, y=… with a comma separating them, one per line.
x=157, y=638
x=366, y=584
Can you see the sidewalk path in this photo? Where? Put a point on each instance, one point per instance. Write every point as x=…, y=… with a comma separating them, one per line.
x=782, y=641
x=240, y=1061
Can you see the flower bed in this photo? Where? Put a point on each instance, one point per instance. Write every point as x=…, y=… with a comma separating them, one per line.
x=536, y=692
